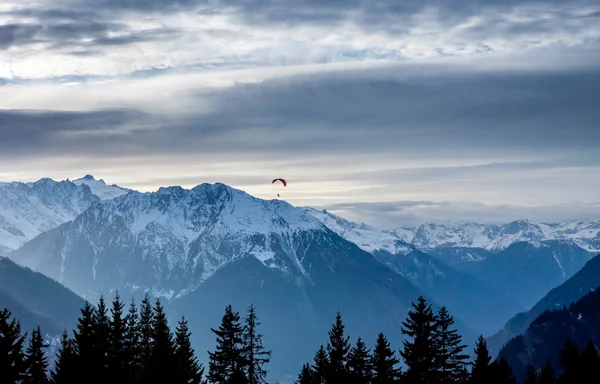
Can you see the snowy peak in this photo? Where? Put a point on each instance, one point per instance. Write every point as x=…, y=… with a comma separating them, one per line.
x=100, y=188
x=365, y=236
x=28, y=209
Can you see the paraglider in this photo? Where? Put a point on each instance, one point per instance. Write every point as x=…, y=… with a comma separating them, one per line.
x=282, y=181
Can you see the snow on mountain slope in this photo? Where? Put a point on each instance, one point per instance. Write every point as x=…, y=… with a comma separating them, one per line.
x=365, y=236
x=497, y=237
x=173, y=239
x=100, y=188
x=28, y=209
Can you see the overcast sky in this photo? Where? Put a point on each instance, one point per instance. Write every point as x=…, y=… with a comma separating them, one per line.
x=385, y=111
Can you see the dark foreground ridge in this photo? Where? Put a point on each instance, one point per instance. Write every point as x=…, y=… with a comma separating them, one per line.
x=139, y=347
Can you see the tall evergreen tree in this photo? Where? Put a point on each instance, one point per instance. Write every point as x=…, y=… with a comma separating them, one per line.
x=306, y=375
x=131, y=344
x=531, y=376
x=338, y=348
x=86, y=361
x=65, y=370
x=145, y=330
x=570, y=362
x=359, y=363
x=255, y=354
x=161, y=361
x=383, y=362
x=12, y=357
x=320, y=366
x=118, y=358
x=448, y=342
x=502, y=373
x=189, y=370
x=590, y=363
x=420, y=353
x=102, y=339
x=547, y=375
x=228, y=358
x=35, y=359
x=480, y=372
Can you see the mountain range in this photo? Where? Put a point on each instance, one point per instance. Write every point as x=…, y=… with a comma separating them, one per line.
x=212, y=245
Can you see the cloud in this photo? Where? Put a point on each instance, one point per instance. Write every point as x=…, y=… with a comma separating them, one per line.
x=390, y=215
x=108, y=38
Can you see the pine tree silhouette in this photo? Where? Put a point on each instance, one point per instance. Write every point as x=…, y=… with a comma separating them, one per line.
x=420, y=352
x=145, y=330
x=547, y=375
x=118, y=358
x=481, y=371
x=189, y=370
x=131, y=343
x=306, y=375
x=570, y=362
x=12, y=357
x=590, y=363
x=255, y=354
x=320, y=365
x=531, y=376
x=502, y=373
x=227, y=361
x=338, y=348
x=359, y=363
x=383, y=362
x=35, y=359
x=448, y=342
x=65, y=371
x=161, y=361
x=86, y=361
x=102, y=339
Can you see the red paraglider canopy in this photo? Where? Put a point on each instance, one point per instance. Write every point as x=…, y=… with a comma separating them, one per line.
x=283, y=181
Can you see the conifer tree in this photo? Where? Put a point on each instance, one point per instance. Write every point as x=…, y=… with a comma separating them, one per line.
x=35, y=359
x=102, y=339
x=547, y=375
x=131, y=344
x=227, y=360
x=590, y=362
x=64, y=371
x=480, y=372
x=419, y=353
x=320, y=366
x=85, y=343
x=531, y=376
x=118, y=359
x=359, y=363
x=448, y=342
x=501, y=372
x=306, y=375
x=338, y=348
x=189, y=370
x=255, y=354
x=12, y=357
x=161, y=361
x=383, y=362
x=570, y=362
x=145, y=330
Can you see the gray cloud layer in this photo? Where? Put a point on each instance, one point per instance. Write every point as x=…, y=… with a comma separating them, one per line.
x=484, y=109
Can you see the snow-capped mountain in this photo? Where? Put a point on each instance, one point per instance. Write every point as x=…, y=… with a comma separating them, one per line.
x=100, y=188
x=484, y=307
x=496, y=237
x=214, y=245
x=28, y=209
